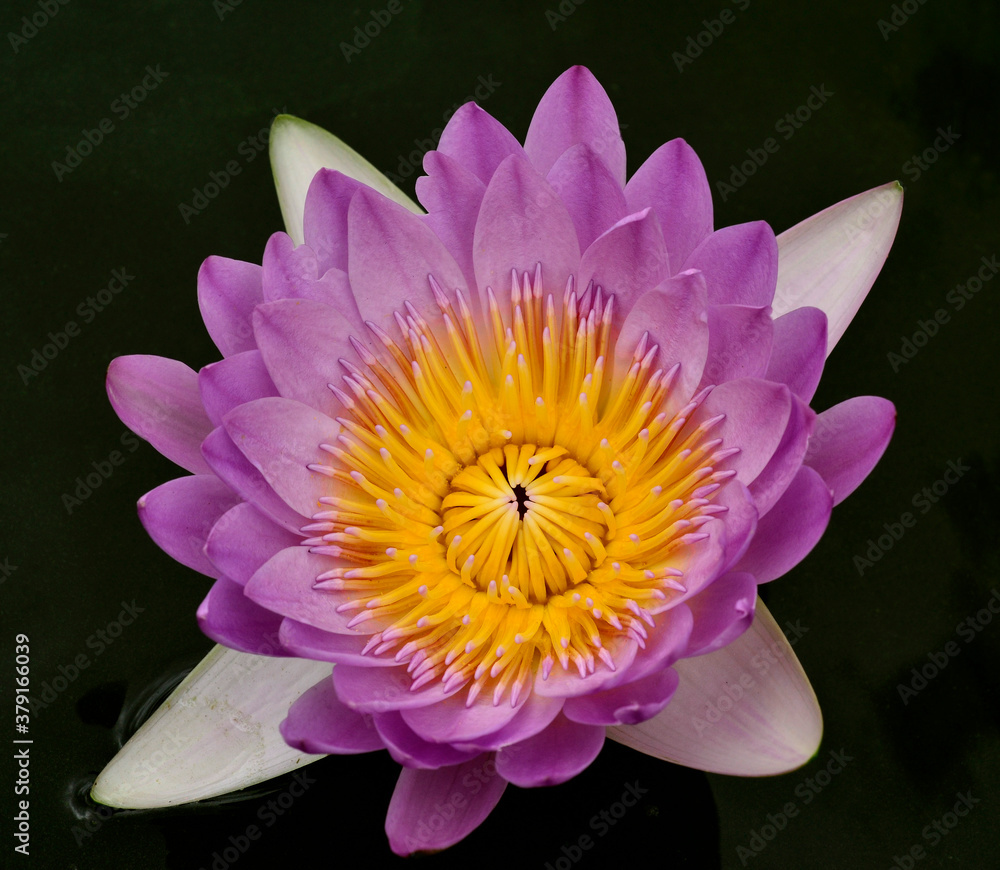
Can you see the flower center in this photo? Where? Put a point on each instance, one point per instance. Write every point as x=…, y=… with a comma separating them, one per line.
x=498, y=509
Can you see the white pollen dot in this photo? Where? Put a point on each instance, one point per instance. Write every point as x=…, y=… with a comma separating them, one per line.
x=590, y=602
x=576, y=597
x=422, y=590
x=390, y=552
x=383, y=452
x=648, y=574
x=507, y=434
x=634, y=538
x=413, y=558
x=466, y=620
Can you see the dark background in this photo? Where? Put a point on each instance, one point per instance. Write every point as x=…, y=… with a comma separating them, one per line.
x=227, y=72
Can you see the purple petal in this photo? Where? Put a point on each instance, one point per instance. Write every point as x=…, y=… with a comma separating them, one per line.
x=673, y=182
x=722, y=612
x=666, y=641
x=180, y=513
x=157, y=398
x=740, y=520
x=627, y=704
x=552, y=756
x=592, y=195
x=522, y=222
x=628, y=260
x=798, y=351
x=791, y=528
x=415, y=821
x=243, y=539
x=575, y=109
x=477, y=141
x=567, y=682
x=411, y=750
x=740, y=264
x=848, y=440
x=301, y=341
x=378, y=690
x=229, y=617
x=453, y=722
x=779, y=472
x=831, y=259
x=452, y=196
x=732, y=716
x=325, y=217
x=532, y=716
x=230, y=465
x=227, y=292
x=391, y=254
x=285, y=585
x=282, y=438
x=739, y=344
x=675, y=318
x=314, y=643
x=319, y=723
x=233, y=381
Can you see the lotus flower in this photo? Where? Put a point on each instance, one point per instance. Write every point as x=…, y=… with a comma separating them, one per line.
x=514, y=466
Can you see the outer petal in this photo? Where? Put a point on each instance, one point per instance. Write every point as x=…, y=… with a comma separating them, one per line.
x=473, y=788
x=740, y=264
x=319, y=722
x=722, y=612
x=831, y=259
x=739, y=343
x=627, y=704
x=325, y=217
x=674, y=183
x=314, y=643
x=227, y=292
x=790, y=529
x=299, y=150
x=798, y=351
x=216, y=733
x=575, y=109
x=773, y=726
x=592, y=195
x=243, y=539
x=477, y=141
x=848, y=440
x=411, y=750
x=522, y=222
x=231, y=382
x=552, y=756
x=229, y=617
x=157, y=398
x=180, y=513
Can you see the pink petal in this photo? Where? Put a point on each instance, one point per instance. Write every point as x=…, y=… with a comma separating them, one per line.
x=533, y=715
x=628, y=260
x=301, y=342
x=739, y=343
x=575, y=109
x=180, y=513
x=282, y=438
x=798, y=351
x=319, y=723
x=592, y=195
x=325, y=218
x=157, y=398
x=777, y=475
x=746, y=709
x=477, y=141
x=314, y=643
x=552, y=756
x=722, y=612
x=790, y=529
x=831, y=259
x=673, y=182
x=848, y=440
x=378, y=690
x=226, y=384
x=227, y=292
x=229, y=617
x=627, y=704
x=230, y=465
x=740, y=264
x=391, y=254
x=452, y=721
x=243, y=539
x=522, y=222
x=411, y=750
x=434, y=809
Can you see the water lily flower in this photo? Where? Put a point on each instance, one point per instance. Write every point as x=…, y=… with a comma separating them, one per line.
x=514, y=466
